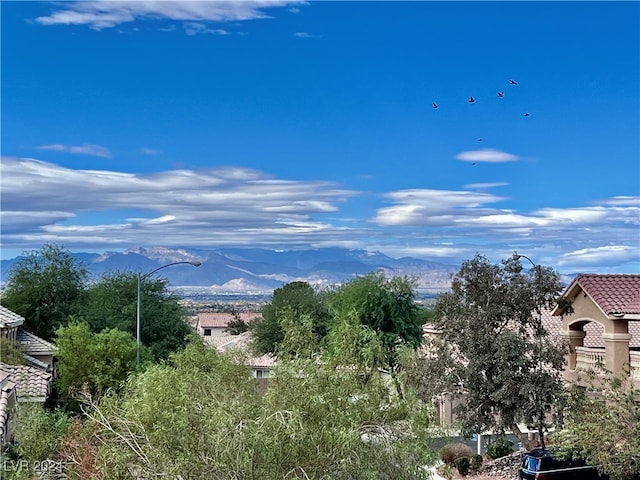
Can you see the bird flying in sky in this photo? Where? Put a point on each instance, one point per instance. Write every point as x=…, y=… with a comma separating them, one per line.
x=513, y=82
x=434, y=105
x=500, y=94
x=471, y=100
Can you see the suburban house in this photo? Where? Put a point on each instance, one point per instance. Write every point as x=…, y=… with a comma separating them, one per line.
x=604, y=328
x=261, y=366
x=602, y=332
x=214, y=324
x=211, y=326
x=30, y=382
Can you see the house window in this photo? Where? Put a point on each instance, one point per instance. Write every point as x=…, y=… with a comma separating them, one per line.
x=207, y=332
x=262, y=373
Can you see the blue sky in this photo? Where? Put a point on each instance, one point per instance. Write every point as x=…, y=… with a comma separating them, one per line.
x=290, y=124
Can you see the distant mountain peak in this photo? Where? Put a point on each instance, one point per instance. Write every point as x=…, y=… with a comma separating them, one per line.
x=243, y=269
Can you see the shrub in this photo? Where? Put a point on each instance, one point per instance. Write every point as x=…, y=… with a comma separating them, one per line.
x=450, y=452
x=462, y=464
x=499, y=448
x=476, y=462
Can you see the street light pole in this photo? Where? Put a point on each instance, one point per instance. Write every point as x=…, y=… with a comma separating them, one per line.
x=138, y=302
x=538, y=334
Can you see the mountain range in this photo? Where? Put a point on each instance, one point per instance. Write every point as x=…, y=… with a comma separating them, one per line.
x=258, y=270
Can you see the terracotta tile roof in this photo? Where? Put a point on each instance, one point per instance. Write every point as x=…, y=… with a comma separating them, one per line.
x=7, y=387
x=9, y=318
x=614, y=294
x=222, y=319
x=32, y=344
x=32, y=383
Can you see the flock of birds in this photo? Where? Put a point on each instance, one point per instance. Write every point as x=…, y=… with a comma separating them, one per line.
x=471, y=100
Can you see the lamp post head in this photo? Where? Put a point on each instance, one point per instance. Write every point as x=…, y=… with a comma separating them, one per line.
x=195, y=263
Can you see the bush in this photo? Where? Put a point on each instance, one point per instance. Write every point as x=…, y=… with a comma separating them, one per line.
x=499, y=448
x=462, y=464
x=476, y=462
x=452, y=451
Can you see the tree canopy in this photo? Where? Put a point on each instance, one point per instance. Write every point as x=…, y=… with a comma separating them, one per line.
x=111, y=303
x=93, y=362
x=200, y=416
x=46, y=287
x=501, y=360
x=300, y=299
x=386, y=306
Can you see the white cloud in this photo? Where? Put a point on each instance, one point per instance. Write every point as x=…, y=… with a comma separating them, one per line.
x=432, y=207
x=239, y=206
x=598, y=255
x=85, y=149
x=207, y=207
x=622, y=201
x=484, y=186
x=306, y=35
x=149, y=151
x=488, y=155
x=109, y=13
x=194, y=28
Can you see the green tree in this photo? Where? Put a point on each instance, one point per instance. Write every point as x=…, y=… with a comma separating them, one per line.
x=502, y=360
x=93, y=362
x=45, y=286
x=236, y=326
x=298, y=298
x=386, y=306
x=200, y=416
x=602, y=426
x=112, y=303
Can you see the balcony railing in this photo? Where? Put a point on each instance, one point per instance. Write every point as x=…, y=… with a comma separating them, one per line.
x=634, y=364
x=590, y=359
x=593, y=359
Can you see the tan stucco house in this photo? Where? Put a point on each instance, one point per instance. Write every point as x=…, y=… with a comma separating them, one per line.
x=604, y=327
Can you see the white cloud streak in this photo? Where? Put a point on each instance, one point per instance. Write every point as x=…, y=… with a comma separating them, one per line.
x=487, y=155
x=85, y=149
x=233, y=206
x=103, y=14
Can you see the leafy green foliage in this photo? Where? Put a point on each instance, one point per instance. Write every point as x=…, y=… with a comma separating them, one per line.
x=602, y=426
x=200, y=416
x=46, y=287
x=39, y=432
x=296, y=298
x=385, y=306
x=501, y=360
x=112, y=303
x=499, y=447
x=9, y=353
x=93, y=362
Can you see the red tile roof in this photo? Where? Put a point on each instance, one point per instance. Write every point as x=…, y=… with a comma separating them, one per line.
x=614, y=294
x=33, y=383
x=222, y=319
